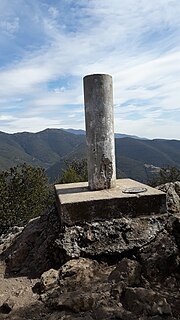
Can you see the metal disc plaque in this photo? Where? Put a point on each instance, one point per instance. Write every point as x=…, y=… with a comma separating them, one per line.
x=134, y=190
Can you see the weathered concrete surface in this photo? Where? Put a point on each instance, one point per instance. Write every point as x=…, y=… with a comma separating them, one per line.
x=98, y=98
x=77, y=204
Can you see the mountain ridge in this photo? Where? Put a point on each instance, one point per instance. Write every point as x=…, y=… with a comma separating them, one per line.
x=117, y=135
x=50, y=147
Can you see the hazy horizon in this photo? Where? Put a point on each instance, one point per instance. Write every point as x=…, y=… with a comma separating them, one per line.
x=121, y=133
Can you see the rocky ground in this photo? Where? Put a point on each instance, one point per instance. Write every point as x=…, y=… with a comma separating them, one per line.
x=120, y=269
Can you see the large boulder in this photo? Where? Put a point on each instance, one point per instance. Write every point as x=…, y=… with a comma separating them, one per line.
x=146, y=301
x=160, y=258
x=172, y=191
x=82, y=282
x=108, y=240
x=32, y=250
x=127, y=272
x=90, y=290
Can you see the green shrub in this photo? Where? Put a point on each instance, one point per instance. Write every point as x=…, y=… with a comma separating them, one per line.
x=168, y=174
x=24, y=194
x=76, y=171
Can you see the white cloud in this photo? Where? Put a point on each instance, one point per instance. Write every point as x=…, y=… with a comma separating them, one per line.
x=149, y=127
x=30, y=124
x=53, y=12
x=9, y=26
x=6, y=118
x=35, y=124
x=137, y=44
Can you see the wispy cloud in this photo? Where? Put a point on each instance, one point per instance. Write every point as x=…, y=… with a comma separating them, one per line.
x=51, y=45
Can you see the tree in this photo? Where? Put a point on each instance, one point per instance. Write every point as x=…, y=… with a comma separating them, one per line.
x=24, y=194
x=167, y=174
x=76, y=171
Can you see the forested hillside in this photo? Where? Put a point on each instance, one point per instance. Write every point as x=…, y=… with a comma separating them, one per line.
x=135, y=158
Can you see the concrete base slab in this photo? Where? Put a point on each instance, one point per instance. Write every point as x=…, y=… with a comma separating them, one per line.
x=77, y=204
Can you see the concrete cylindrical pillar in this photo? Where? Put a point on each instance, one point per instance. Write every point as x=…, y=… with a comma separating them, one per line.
x=98, y=98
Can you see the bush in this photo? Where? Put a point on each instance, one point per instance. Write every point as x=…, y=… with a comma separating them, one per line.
x=24, y=194
x=168, y=174
x=76, y=171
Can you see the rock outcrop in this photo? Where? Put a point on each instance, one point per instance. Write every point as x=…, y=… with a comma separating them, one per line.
x=126, y=268
x=172, y=191
x=32, y=251
x=87, y=289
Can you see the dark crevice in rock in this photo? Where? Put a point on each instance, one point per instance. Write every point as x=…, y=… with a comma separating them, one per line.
x=176, y=232
x=112, y=258
x=124, y=236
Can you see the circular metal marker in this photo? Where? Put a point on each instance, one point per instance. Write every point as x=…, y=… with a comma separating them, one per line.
x=134, y=190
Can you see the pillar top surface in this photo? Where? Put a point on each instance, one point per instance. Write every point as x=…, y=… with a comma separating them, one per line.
x=97, y=75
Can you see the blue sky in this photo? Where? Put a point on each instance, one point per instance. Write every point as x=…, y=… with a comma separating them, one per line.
x=48, y=46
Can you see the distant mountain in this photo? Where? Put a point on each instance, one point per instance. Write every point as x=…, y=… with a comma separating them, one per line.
x=122, y=135
x=76, y=131
x=135, y=158
x=42, y=148
x=117, y=135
